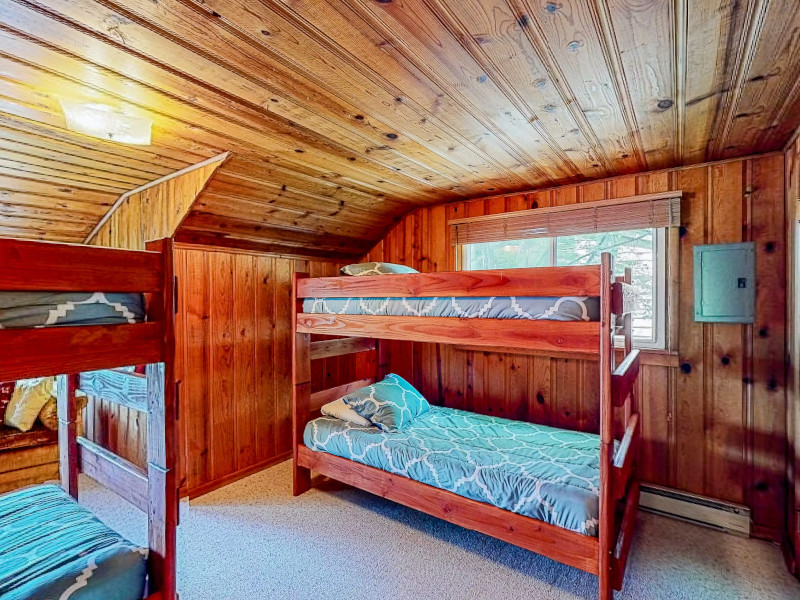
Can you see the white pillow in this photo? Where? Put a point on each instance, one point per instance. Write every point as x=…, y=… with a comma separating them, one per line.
x=339, y=410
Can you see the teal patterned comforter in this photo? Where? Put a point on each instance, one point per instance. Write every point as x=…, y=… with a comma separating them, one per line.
x=51, y=548
x=568, y=308
x=546, y=473
x=51, y=309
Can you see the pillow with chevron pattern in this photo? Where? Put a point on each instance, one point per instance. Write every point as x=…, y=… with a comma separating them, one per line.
x=390, y=404
x=375, y=268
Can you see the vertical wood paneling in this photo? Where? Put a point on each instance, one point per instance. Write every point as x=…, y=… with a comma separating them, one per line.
x=236, y=393
x=221, y=369
x=704, y=430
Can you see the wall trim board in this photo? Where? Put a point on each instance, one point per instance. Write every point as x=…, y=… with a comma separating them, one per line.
x=220, y=158
x=210, y=486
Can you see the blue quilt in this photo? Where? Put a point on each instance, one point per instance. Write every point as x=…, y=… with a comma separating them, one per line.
x=47, y=309
x=51, y=548
x=570, y=308
x=549, y=474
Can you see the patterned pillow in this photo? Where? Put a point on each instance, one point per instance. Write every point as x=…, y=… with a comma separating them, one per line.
x=391, y=404
x=30, y=396
x=375, y=268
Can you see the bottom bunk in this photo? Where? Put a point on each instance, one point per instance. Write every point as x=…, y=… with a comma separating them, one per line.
x=550, y=474
x=533, y=486
x=54, y=548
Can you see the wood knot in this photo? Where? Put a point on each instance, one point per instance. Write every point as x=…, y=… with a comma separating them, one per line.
x=769, y=247
x=686, y=368
x=540, y=398
x=763, y=332
x=725, y=360
x=665, y=104
x=574, y=45
x=552, y=7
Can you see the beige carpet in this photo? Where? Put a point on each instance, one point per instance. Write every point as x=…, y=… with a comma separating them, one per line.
x=253, y=540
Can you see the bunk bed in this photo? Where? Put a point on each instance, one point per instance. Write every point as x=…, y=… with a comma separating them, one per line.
x=361, y=307
x=81, y=313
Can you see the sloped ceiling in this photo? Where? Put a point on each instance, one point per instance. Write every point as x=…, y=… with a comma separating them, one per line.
x=344, y=115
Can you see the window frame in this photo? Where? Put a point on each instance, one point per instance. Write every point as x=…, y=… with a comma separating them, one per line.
x=659, y=339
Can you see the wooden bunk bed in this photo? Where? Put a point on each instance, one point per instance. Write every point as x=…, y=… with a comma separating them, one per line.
x=85, y=357
x=604, y=555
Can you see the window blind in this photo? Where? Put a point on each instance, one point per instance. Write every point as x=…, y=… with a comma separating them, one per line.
x=634, y=212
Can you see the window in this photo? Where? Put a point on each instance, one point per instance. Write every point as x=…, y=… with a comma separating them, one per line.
x=642, y=250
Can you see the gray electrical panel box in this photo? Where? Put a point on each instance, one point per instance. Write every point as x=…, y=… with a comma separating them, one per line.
x=725, y=283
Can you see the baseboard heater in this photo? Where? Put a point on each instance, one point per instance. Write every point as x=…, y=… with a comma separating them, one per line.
x=723, y=516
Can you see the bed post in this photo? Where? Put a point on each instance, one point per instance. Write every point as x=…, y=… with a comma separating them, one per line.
x=68, y=433
x=162, y=442
x=301, y=390
x=383, y=359
x=627, y=331
x=606, y=525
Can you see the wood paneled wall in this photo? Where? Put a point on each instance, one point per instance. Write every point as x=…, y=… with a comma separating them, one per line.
x=713, y=409
x=793, y=350
x=235, y=362
x=154, y=212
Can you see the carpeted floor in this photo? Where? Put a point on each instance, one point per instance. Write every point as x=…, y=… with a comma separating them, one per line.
x=253, y=540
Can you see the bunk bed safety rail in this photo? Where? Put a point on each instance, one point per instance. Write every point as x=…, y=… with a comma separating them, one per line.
x=543, y=335
x=53, y=267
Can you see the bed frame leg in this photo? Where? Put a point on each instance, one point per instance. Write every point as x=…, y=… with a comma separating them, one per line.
x=606, y=591
x=302, y=479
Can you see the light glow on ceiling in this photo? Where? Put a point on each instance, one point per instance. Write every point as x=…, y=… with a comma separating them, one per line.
x=107, y=123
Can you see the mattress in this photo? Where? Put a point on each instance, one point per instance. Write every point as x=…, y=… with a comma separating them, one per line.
x=496, y=307
x=47, y=309
x=53, y=548
x=542, y=472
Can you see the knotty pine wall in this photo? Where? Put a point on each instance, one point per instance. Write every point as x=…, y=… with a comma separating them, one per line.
x=714, y=408
x=235, y=361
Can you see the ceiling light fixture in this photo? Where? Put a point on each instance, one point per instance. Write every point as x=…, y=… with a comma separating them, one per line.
x=106, y=122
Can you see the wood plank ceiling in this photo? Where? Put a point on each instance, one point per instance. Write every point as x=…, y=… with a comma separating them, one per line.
x=344, y=115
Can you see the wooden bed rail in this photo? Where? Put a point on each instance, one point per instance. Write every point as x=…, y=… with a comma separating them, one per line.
x=341, y=347
x=581, y=336
x=544, y=281
x=43, y=266
x=55, y=267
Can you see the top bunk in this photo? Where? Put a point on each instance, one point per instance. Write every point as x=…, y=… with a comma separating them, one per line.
x=43, y=283
x=560, y=309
